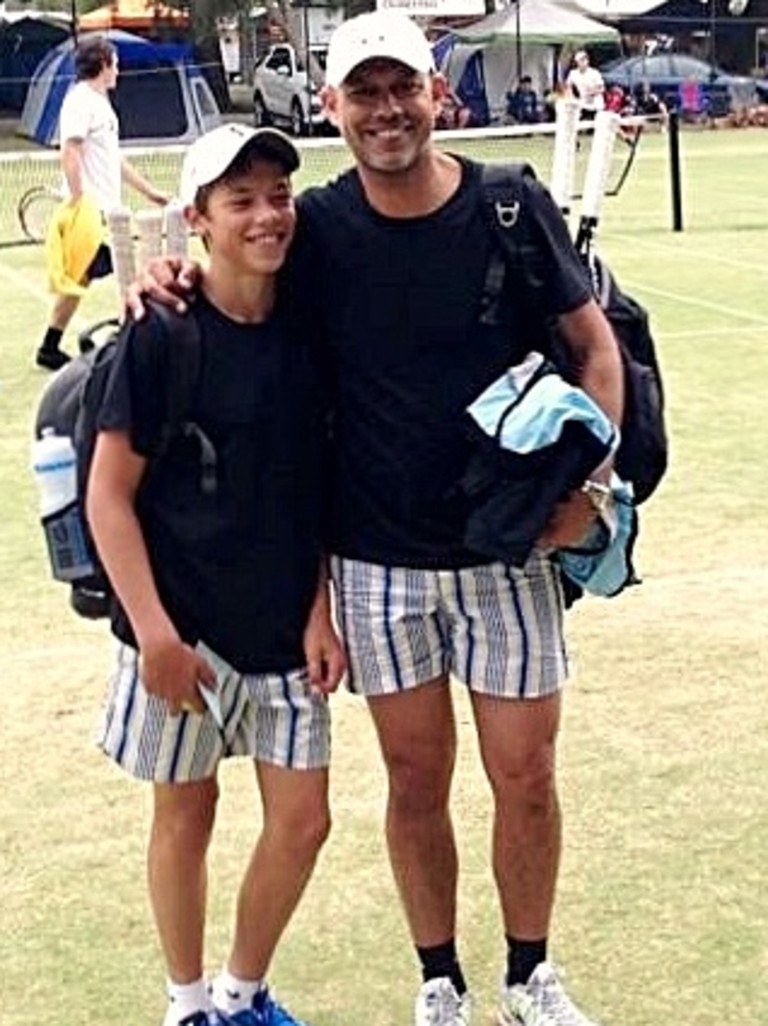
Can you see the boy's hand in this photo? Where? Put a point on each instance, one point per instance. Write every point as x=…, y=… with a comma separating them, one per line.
x=326, y=661
x=171, y=670
x=167, y=280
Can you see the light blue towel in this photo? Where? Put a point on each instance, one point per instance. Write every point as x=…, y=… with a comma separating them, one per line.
x=602, y=565
x=540, y=415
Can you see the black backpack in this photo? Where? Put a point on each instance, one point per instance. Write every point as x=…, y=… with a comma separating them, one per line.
x=70, y=405
x=643, y=453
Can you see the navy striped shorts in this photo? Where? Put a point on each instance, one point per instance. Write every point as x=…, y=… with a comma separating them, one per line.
x=272, y=717
x=496, y=628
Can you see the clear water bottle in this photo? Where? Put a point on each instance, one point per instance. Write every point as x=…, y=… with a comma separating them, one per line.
x=54, y=464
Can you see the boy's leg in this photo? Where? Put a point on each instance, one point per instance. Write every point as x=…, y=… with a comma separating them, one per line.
x=285, y=727
x=181, y=831
x=296, y=823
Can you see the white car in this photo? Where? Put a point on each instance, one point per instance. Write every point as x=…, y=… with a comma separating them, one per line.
x=283, y=93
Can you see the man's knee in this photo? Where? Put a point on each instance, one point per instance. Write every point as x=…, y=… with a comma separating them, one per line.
x=527, y=783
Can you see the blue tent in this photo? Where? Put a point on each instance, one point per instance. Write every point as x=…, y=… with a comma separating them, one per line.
x=24, y=41
x=161, y=94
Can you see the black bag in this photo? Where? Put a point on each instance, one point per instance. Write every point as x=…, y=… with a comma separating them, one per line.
x=643, y=453
x=70, y=406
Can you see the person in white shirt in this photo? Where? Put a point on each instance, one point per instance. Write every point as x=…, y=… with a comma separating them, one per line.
x=92, y=166
x=586, y=84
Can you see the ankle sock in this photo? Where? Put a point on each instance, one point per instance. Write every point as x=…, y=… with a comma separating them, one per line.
x=232, y=994
x=52, y=340
x=441, y=960
x=522, y=959
x=185, y=999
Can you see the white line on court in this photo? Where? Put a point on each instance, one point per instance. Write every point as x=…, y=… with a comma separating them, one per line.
x=695, y=253
x=25, y=284
x=702, y=304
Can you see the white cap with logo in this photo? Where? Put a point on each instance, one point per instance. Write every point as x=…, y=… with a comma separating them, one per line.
x=389, y=34
x=209, y=156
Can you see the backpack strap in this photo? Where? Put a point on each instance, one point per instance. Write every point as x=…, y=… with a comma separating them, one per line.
x=184, y=351
x=515, y=249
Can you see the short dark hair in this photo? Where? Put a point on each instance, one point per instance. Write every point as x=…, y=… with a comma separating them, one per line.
x=91, y=56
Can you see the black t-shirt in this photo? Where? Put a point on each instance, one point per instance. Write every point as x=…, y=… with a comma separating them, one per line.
x=237, y=569
x=406, y=354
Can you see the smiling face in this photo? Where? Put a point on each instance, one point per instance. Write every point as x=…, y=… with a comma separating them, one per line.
x=247, y=218
x=386, y=111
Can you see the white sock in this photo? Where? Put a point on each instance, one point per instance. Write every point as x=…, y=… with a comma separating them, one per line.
x=231, y=994
x=185, y=999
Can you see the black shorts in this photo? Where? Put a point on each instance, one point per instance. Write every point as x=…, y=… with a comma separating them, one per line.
x=101, y=265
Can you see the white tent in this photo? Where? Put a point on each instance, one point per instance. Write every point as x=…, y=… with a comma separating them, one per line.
x=523, y=39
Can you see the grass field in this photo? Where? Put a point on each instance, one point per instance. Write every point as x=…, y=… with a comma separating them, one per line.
x=663, y=905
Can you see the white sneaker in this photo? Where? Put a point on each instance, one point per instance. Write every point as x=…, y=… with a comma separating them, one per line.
x=438, y=1004
x=542, y=1001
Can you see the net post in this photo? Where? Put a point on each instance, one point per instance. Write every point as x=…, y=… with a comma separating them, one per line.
x=673, y=132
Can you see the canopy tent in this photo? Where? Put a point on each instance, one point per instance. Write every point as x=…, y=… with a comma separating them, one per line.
x=133, y=16
x=161, y=94
x=486, y=59
x=25, y=38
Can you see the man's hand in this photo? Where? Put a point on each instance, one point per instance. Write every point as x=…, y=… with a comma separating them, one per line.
x=569, y=524
x=167, y=280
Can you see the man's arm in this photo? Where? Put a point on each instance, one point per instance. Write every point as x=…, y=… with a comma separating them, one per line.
x=595, y=355
x=136, y=180
x=169, y=668
x=72, y=166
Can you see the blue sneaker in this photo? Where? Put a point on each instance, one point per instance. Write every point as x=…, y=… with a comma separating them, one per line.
x=264, y=1011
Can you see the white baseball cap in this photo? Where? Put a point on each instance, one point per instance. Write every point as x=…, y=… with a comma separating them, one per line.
x=388, y=33
x=209, y=156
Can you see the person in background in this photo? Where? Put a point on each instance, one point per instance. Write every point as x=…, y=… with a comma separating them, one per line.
x=586, y=84
x=222, y=598
x=523, y=103
x=92, y=168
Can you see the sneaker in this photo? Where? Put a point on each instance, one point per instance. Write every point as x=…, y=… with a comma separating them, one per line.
x=264, y=1011
x=541, y=1001
x=51, y=359
x=438, y=1004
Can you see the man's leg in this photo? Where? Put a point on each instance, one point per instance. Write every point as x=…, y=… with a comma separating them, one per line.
x=517, y=744
x=417, y=735
x=181, y=831
x=397, y=638
x=49, y=354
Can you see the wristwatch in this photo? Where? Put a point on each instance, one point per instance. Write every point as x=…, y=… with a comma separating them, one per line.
x=599, y=494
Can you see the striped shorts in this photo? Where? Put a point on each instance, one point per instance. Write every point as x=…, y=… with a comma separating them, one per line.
x=497, y=629
x=272, y=717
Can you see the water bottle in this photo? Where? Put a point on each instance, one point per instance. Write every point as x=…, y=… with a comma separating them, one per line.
x=54, y=463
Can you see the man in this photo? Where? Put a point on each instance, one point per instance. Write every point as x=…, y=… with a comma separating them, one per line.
x=92, y=167
x=523, y=103
x=218, y=589
x=586, y=85
x=397, y=251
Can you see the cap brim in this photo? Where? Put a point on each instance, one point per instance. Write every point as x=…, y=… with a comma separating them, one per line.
x=275, y=146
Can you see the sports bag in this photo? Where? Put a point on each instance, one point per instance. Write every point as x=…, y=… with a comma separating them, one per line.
x=642, y=456
x=70, y=406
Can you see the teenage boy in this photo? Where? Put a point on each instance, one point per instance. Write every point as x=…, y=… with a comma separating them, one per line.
x=222, y=592
x=396, y=251
x=92, y=167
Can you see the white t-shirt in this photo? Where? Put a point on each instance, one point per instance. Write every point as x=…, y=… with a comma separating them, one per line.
x=587, y=86
x=87, y=114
